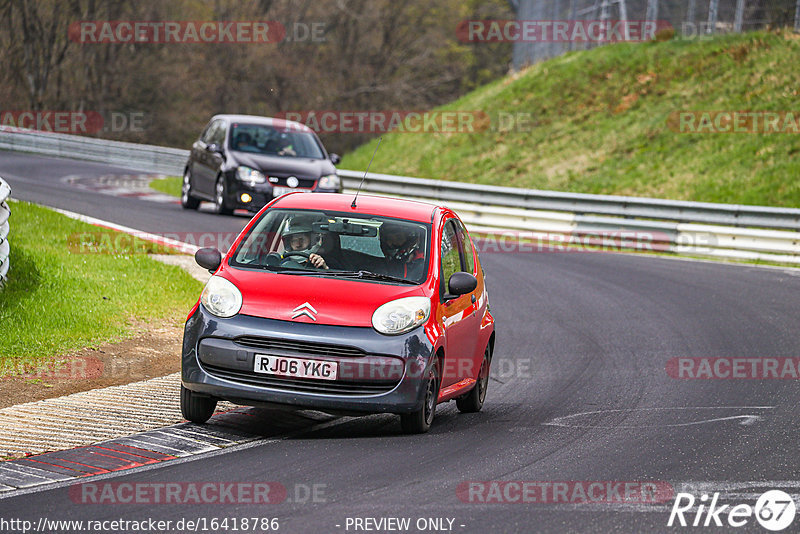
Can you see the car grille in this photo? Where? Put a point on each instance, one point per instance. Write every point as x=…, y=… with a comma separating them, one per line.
x=304, y=385
x=299, y=348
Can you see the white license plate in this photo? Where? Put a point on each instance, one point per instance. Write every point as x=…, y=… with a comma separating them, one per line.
x=279, y=190
x=295, y=367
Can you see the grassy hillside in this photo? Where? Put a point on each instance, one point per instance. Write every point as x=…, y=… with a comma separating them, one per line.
x=600, y=125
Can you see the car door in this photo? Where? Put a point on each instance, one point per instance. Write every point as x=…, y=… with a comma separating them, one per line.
x=474, y=313
x=198, y=163
x=216, y=158
x=457, y=318
x=204, y=173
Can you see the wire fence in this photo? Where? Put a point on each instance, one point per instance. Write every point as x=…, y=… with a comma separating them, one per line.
x=690, y=19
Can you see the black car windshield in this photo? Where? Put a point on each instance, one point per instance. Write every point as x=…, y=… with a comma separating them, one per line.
x=339, y=245
x=272, y=141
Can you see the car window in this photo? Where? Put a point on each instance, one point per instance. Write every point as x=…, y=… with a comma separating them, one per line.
x=218, y=136
x=451, y=259
x=466, y=243
x=208, y=133
x=283, y=240
x=271, y=141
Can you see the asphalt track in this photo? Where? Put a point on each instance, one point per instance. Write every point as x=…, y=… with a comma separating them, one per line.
x=579, y=392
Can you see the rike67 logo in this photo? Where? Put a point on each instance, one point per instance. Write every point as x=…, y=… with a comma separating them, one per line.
x=774, y=510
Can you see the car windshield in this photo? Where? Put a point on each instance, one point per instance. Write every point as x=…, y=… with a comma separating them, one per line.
x=271, y=141
x=335, y=244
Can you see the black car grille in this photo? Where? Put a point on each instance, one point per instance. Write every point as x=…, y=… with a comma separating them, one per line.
x=302, y=182
x=299, y=348
x=304, y=385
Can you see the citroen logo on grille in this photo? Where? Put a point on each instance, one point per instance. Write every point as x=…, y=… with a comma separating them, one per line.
x=304, y=309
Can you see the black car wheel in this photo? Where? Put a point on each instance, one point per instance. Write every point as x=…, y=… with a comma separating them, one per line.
x=196, y=408
x=473, y=401
x=188, y=202
x=420, y=421
x=220, y=205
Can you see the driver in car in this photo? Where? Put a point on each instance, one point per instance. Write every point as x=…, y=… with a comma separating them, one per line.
x=299, y=238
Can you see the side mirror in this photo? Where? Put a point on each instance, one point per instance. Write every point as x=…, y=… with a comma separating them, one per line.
x=460, y=283
x=213, y=147
x=335, y=159
x=208, y=258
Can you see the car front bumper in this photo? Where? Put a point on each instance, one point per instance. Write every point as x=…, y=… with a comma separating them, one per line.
x=260, y=194
x=377, y=373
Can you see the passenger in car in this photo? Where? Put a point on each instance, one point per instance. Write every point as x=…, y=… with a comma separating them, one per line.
x=401, y=248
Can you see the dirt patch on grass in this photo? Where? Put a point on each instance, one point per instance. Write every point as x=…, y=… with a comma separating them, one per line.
x=154, y=350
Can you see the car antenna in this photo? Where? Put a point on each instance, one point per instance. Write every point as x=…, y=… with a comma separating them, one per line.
x=353, y=205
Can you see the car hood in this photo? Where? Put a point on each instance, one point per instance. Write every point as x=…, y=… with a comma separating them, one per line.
x=300, y=167
x=332, y=301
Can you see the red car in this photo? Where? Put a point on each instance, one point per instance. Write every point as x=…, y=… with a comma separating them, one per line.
x=367, y=305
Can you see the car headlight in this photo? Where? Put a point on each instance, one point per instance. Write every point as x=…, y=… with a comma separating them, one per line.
x=331, y=181
x=221, y=297
x=246, y=174
x=401, y=315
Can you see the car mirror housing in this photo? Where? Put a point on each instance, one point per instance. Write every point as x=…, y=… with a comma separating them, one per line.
x=460, y=283
x=335, y=159
x=208, y=258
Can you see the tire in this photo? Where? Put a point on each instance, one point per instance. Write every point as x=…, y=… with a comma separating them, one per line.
x=188, y=202
x=420, y=421
x=473, y=401
x=196, y=408
x=220, y=205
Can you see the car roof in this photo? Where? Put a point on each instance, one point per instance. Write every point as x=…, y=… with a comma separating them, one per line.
x=412, y=210
x=268, y=121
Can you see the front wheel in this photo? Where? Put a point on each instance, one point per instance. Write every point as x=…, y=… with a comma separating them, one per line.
x=220, y=205
x=188, y=202
x=473, y=401
x=420, y=421
x=196, y=408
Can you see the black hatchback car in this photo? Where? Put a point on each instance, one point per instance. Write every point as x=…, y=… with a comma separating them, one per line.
x=243, y=162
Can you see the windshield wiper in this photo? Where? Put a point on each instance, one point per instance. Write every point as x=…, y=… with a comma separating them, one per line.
x=285, y=270
x=369, y=275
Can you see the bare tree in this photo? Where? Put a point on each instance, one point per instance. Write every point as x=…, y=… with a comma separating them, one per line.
x=41, y=42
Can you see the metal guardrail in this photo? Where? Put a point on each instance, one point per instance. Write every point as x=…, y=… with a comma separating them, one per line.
x=580, y=204
x=553, y=219
x=149, y=158
x=723, y=230
x=5, y=228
